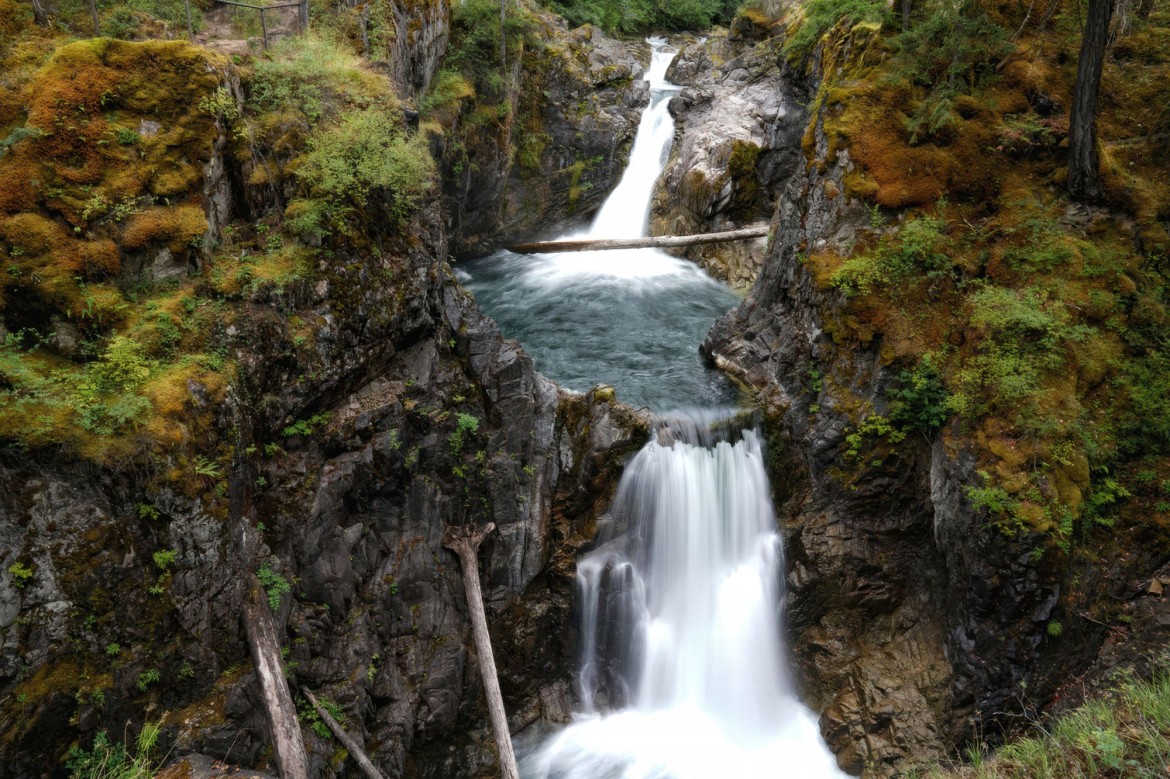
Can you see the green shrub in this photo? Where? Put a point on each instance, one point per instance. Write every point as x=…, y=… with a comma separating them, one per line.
x=919, y=401
x=275, y=585
x=820, y=16
x=107, y=760
x=21, y=573
x=365, y=157
x=918, y=250
x=949, y=51
x=466, y=425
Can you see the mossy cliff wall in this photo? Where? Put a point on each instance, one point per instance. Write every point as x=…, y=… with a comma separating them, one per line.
x=193, y=393
x=924, y=616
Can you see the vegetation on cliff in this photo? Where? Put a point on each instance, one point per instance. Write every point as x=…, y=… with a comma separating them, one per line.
x=1042, y=319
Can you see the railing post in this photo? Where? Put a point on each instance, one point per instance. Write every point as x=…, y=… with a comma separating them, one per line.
x=304, y=14
x=264, y=29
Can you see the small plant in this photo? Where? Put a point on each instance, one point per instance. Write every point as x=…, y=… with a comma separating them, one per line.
x=1054, y=629
x=466, y=425
x=147, y=678
x=107, y=760
x=304, y=427
x=208, y=469
x=21, y=573
x=274, y=585
x=164, y=559
x=113, y=649
x=147, y=511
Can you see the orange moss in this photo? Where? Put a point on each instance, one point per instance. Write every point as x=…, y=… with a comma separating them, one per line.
x=20, y=180
x=175, y=226
x=101, y=259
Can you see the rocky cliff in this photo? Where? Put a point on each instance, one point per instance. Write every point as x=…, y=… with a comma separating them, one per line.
x=920, y=622
x=313, y=407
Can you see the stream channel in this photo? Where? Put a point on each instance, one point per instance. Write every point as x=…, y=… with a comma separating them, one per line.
x=683, y=670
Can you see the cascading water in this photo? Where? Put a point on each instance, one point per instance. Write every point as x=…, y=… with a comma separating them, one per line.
x=682, y=671
x=632, y=318
x=681, y=613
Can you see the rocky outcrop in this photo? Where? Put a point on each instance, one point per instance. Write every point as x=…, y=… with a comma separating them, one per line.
x=575, y=112
x=914, y=620
x=739, y=124
x=415, y=41
x=434, y=420
x=371, y=406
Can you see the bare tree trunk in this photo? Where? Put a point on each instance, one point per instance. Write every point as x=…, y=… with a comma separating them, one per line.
x=351, y=745
x=464, y=542
x=658, y=242
x=1083, y=163
x=287, y=745
x=97, y=26
x=907, y=7
x=39, y=13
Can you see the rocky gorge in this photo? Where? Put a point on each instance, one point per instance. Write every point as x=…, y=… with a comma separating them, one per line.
x=370, y=404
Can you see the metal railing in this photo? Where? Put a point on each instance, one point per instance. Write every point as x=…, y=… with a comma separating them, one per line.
x=302, y=16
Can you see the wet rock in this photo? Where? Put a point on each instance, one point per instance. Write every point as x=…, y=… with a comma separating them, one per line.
x=739, y=129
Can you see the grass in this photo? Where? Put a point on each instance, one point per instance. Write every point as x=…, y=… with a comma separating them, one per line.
x=1124, y=732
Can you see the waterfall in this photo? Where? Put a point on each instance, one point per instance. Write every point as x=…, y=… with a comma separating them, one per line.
x=681, y=625
x=682, y=663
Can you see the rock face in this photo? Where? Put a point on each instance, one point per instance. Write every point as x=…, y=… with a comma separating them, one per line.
x=350, y=452
x=576, y=111
x=739, y=126
x=434, y=420
x=416, y=41
x=916, y=623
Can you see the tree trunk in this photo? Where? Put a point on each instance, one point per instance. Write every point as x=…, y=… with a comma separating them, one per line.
x=657, y=242
x=907, y=7
x=39, y=13
x=97, y=26
x=351, y=745
x=287, y=745
x=464, y=542
x=1083, y=163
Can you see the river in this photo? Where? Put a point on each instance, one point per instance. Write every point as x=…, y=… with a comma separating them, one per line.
x=683, y=670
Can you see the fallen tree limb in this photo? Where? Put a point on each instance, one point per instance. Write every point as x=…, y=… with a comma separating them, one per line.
x=287, y=745
x=351, y=745
x=464, y=541
x=658, y=242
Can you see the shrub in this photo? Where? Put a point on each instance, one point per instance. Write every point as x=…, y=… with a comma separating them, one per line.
x=920, y=399
x=275, y=585
x=107, y=760
x=364, y=156
x=951, y=50
x=820, y=16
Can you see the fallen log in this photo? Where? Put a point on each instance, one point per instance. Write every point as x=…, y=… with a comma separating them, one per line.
x=464, y=541
x=287, y=745
x=351, y=745
x=656, y=242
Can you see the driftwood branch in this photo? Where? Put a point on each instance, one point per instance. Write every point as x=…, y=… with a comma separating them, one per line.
x=659, y=242
x=351, y=745
x=287, y=745
x=464, y=542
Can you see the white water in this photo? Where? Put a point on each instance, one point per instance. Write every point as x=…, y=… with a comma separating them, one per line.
x=681, y=614
x=682, y=661
x=626, y=212
x=633, y=318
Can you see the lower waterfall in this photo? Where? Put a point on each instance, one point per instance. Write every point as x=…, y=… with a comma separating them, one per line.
x=681, y=625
